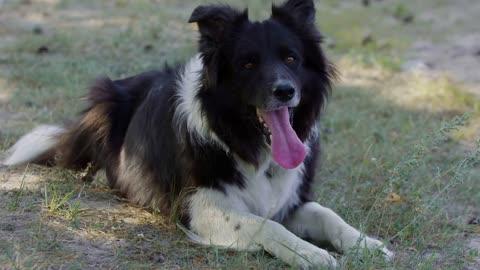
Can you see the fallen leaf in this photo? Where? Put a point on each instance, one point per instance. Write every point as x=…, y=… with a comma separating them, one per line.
x=394, y=198
x=412, y=249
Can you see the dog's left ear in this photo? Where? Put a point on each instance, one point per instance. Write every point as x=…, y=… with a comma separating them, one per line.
x=215, y=20
x=303, y=11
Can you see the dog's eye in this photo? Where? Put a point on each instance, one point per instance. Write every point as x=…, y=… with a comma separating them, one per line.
x=290, y=60
x=249, y=66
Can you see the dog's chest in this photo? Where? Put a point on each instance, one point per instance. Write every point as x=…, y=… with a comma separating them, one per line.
x=269, y=191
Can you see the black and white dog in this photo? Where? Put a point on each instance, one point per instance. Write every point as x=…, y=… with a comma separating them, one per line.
x=230, y=138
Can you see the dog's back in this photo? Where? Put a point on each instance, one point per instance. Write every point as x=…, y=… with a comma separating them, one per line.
x=95, y=139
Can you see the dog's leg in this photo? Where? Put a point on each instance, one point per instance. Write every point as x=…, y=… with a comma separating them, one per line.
x=220, y=220
x=322, y=224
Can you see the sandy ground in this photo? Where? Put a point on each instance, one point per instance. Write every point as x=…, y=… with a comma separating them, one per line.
x=457, y=53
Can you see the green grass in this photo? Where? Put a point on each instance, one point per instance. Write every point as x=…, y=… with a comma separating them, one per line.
x=15, y=202
x=63, y=205
x=399, y=157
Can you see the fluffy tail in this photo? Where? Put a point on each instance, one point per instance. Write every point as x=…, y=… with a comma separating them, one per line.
x=96, y=138
x=37, y=146
x=91, y=140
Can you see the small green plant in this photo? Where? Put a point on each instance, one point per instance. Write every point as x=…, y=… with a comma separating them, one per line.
x=62, y=205
x=74, y=210
x=403, y=13
x=472, y=254
x=15, y=202
x=55, y=202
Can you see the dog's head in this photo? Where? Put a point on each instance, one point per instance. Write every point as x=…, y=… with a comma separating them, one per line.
x=274, y=68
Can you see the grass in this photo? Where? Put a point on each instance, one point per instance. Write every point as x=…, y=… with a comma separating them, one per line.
x=57, y=204
x=400, y=159
x=15, y=202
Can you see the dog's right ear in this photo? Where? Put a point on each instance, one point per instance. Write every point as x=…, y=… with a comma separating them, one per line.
x=303, y=11
x=215, y=20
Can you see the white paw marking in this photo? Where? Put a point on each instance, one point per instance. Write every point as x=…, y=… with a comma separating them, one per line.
x=314, y=258
x=376, y=244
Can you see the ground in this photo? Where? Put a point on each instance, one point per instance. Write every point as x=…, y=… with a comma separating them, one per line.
x=400, y=135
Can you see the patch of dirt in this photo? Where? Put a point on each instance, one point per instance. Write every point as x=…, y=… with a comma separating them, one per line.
x=459, y=54
x=5, y=116
x=474, y=247
x=16, y=180
x=105, y=235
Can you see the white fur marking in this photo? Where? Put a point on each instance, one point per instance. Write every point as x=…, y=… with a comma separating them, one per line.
x=188, y=111
x=322, y=224
x=33, y=145
x=264, y=196
x=223, y=220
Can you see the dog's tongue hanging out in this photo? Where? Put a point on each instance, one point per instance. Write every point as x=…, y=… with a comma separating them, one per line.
x=287, y=149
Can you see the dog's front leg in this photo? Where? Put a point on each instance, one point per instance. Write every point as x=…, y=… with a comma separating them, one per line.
x=221, y=220
x=322, y=224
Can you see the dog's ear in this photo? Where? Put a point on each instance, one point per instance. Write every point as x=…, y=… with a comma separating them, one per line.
x=214, y=20
x=303, y=11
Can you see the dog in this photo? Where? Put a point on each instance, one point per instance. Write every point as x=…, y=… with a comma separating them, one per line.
x=230, y=138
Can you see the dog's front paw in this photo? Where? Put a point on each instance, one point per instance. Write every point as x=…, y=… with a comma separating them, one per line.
x=314, y=258
x=374, y=244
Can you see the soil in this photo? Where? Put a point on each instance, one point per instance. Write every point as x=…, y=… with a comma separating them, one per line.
x=457, y=52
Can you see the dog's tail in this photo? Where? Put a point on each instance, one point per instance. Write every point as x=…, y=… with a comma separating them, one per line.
x=86, y=141
x=36, y=146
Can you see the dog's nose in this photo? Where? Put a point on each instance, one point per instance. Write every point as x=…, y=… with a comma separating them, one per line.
x=284, y=92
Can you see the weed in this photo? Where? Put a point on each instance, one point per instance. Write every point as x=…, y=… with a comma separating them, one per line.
x=15, y=202
x=62, y=205
x=403, y=13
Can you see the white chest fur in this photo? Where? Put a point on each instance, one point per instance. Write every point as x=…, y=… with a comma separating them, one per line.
x=269, y=191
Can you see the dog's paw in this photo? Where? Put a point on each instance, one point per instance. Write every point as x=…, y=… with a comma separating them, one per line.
x=374, y=244
x=314, y=259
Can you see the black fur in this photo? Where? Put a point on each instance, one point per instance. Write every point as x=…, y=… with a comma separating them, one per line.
x=137, y=114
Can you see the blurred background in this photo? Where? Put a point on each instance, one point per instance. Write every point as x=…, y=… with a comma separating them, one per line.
x=400, y=134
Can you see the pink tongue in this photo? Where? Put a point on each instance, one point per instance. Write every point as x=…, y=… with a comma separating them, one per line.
x=287, y=149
